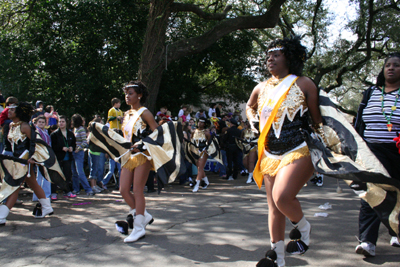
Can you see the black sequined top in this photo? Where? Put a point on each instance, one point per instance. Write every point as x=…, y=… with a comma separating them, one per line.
x=291, y=135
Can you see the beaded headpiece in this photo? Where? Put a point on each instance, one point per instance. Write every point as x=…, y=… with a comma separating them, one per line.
x=276, y=48
x=131, y=85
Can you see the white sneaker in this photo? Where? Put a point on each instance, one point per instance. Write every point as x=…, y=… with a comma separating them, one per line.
x=394, y=242
x=366, y=249
x=230, y=178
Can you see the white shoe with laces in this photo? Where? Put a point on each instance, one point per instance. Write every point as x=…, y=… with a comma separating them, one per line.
x=366, y=249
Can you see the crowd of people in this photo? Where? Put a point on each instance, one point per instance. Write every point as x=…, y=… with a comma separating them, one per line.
x=268, y=147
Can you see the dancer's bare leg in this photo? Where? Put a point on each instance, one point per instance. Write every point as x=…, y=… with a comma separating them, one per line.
x=141, y=175
x=201, y=163
x=126, y=180
x=288, y=182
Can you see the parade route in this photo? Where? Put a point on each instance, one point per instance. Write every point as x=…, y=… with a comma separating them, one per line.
x=224, y=225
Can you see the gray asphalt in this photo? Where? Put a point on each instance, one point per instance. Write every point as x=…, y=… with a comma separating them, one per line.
x=224, y=225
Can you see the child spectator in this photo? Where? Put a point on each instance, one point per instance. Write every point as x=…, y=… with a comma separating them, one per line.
x=51, y=116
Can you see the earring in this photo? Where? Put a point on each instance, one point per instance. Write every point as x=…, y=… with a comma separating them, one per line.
x=139, y=97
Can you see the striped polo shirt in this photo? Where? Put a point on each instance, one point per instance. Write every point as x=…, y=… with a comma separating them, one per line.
x=376, y=130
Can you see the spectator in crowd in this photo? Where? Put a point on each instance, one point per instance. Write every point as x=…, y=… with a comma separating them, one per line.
x=51, y=116
x=39, y=109
x=162, y=112
x=214, y=120
x=201, y=114
x=63, y=143
x=40, y=124
x=4, y=114
x=115, y=115
x=218, y=111
x=212, y=110
x=232, y=150
x=2, y=102
x=96, y=163
x=378, y=122
x=111, y=168
x=182, y=111
x=78, y=171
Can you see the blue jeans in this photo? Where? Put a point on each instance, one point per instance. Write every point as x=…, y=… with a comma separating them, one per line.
x=78, y=173
x=110, y=173
x=97, y=166
x=46, y=185
x=222, y=167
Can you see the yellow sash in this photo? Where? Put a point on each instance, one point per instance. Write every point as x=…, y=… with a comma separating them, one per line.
x=272, y=103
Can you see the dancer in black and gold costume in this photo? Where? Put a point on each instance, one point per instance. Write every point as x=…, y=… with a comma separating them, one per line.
x=282, y=103
x=144, y=147
x=22, y=142
x=248, y=144
x=198, y=149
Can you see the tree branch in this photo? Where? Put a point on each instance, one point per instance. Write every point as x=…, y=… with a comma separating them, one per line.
x=182, y=7
x=197, y=44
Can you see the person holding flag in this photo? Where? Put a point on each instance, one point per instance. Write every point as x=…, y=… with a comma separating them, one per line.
x=282, y=104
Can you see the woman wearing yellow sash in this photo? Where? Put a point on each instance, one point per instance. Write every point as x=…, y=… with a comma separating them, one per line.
x=281, y=105
x=138, y=123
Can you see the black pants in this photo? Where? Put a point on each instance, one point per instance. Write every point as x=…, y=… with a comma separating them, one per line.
x=368, y=220
x=232, y=155
x=65, y=166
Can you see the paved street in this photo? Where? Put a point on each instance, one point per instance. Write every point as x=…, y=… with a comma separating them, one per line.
x=224, y=225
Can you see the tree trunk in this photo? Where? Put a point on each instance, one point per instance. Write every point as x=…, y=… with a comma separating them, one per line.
x=152, y=60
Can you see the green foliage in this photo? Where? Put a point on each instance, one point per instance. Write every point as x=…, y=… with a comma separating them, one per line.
x=73, y=55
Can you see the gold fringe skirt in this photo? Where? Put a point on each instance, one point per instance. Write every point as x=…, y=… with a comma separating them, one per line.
x=136, y=161
x=271, y=167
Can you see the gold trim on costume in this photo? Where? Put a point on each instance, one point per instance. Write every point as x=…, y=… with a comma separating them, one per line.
x=271, y=167
x=15, y=134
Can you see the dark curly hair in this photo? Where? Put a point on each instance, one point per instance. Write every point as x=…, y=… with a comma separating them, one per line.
x=139, y=89
x=24, y=111
x=294, y=51
x=380, y=80
x=76, y=120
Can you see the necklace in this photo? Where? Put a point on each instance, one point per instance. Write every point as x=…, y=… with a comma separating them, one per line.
x=393, y=108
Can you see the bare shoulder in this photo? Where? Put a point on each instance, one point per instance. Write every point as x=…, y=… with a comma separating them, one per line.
x=306, y=84
x=259, y=86
x=25, y=127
